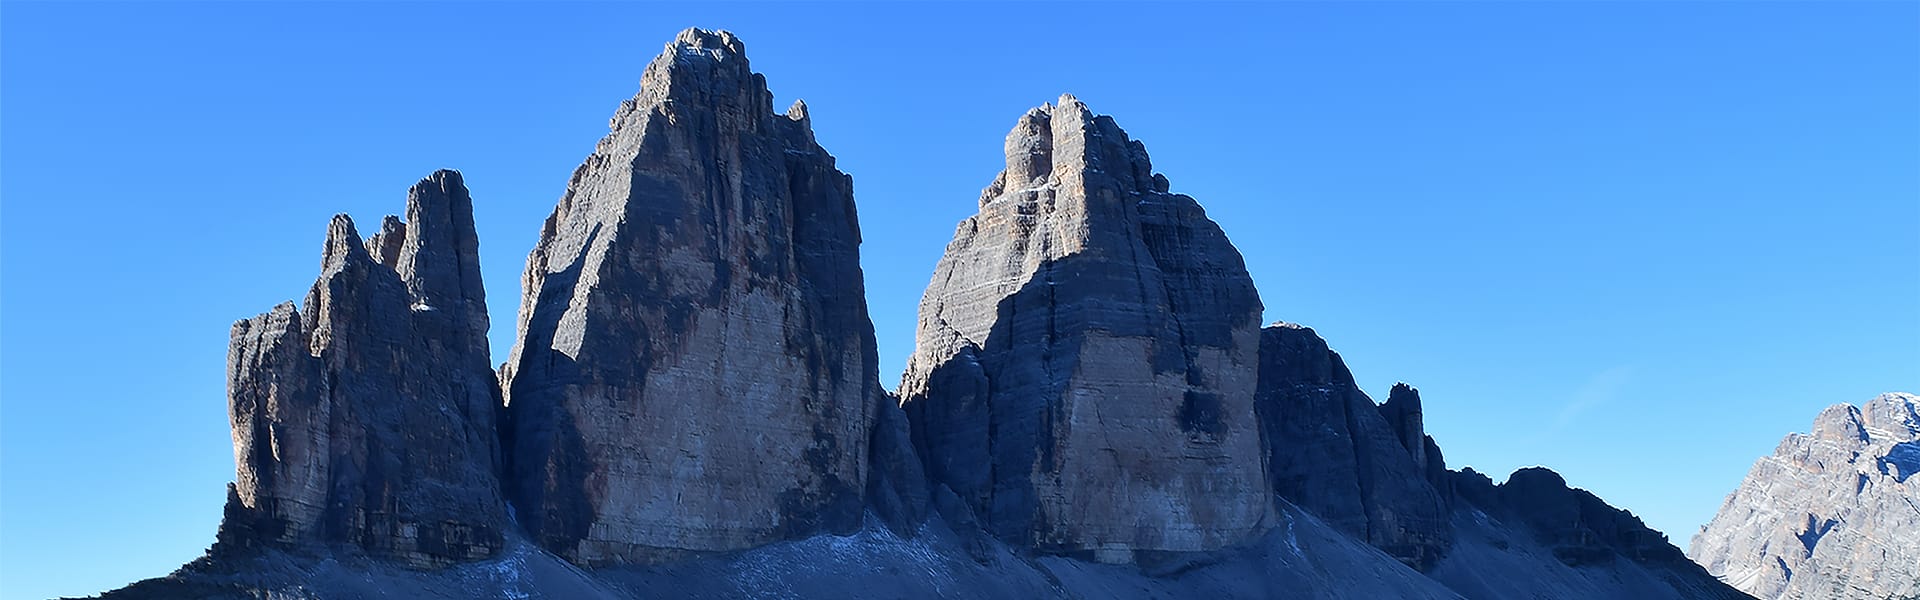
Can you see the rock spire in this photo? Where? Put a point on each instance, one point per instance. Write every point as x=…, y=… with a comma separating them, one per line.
x=694, y=369
x=367, y=416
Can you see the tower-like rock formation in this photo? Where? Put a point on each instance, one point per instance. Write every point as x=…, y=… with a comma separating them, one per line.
x=1407, y=419
x=1087, y=352
x=367, y=417
x=1363, y=468
x=694, y=369
x=1833, y=514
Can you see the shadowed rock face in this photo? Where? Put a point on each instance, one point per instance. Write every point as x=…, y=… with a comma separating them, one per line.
x=1363, y=468
x=1086, y=354
x=1828, y=515
x=368, y=418
x=694, y=369
x=1536, y=537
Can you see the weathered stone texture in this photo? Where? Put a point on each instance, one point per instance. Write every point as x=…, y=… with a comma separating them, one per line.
x=1834, y=514
x=1087, y=353
x=694, y=369
x=369, y=418
x=1333, y=453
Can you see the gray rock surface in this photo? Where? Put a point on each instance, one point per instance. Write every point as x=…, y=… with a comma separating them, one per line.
x=367, y=418
x=1091, y=412
x=1333, y=452
x=1299, y=558
x=1086, y=355
x=694, y=369
x=1567, y=543
x=1834, y=514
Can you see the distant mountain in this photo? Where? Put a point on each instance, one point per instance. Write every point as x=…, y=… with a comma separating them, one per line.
x=1831, y=515
x=693, y=409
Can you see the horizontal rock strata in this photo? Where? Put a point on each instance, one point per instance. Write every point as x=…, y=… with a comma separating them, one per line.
x=1831, y=514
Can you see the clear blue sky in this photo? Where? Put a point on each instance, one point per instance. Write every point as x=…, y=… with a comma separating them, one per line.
x=1635, y=242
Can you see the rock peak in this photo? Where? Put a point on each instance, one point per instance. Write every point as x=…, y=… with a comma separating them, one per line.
x=694, y=369
x=1075, y=259
x=1839, y=423
x=1796, y=526
x=343, y=245
x=1067, y=146
x=695, y=38
x=1894, y=413
x=361, y=420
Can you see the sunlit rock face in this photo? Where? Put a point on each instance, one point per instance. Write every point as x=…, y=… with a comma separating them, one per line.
x=1087, y=353
x=694, y=369
x=367, y=417
x=1831, y=514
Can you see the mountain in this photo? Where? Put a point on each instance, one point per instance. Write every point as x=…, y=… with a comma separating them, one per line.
x=1087, y=353
x=692, y=407
x=368, y=418
x=694, y=369
x=1831, y=514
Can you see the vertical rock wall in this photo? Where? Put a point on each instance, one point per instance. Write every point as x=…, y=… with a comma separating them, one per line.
x=368, y=417
x=694, y=369
x=1086, y=354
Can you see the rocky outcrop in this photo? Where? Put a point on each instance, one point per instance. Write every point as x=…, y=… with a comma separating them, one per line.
x=1407, y=419
x=1831, y=514
x=694, y=369
x=367, y=417
x=1361, y=467
x=1536, y=537
x=1577, y=526
x=1086, y=354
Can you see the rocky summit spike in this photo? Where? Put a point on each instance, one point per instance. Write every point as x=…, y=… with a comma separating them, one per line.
x=694, y=370
x=361, y=420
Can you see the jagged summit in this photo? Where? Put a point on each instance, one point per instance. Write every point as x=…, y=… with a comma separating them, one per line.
x=1064, y=144
x=362, y=418
x=1831, y=514
x=716, y=40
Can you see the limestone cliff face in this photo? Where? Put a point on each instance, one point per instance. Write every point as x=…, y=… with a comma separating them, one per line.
x=1086, y=354
x=1361, y=467
x=694, y=369
x=1833, y=514
x=368, y=416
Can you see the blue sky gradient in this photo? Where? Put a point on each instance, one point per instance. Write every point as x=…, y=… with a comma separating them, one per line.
x=1634, y=242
